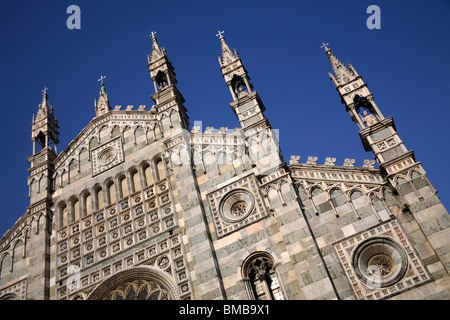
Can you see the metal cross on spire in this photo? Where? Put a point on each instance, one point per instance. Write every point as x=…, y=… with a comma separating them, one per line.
x=45, y=90
x=101, y=78
x=219, y=34
x=153, y=34
x=324, y=45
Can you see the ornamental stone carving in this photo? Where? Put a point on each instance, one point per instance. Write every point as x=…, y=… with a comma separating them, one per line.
x=137, y=283
x=380, y=262
x=107, y=156
x=236, y=205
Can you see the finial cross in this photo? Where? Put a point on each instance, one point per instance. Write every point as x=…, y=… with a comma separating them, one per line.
x=153, y=34
x=219, y=34
x=324, y=45
x=101, y=78
x=45, y=90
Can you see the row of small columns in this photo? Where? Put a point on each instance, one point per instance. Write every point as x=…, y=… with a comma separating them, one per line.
x=117, y=181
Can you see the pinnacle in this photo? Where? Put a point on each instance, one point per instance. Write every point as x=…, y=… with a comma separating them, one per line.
x=228, y=56
x=340, y=71
x=157, y=51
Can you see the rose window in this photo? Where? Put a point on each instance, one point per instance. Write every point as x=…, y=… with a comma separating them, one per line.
x=379, y=262
x=107, y=156
x=239, y=209
x=236, y=205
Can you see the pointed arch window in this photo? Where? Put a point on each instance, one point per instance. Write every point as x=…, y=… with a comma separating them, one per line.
x=261, y=278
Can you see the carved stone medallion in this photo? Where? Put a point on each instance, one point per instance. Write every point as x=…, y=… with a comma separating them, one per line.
x=107, y=156
x=236, y=205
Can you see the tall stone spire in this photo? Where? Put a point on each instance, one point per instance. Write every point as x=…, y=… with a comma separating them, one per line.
x=166, y=93
x=233, y=71
x=378, y=134
x=102, y=105
x=249, y=110
x=157, y=51
x=398, y=164
x=341, y=73
x=44, y=131
x=228, y=56
x=354, y=93
x=160, y=68
x=44, y=127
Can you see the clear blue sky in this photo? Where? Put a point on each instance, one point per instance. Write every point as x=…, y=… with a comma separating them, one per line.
x=405, y=63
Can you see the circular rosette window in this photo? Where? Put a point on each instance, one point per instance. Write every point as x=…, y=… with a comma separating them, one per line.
x=107, y=156
x=236, y=205
x=379, y=262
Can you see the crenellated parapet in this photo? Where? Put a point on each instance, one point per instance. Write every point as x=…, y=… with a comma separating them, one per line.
x=331, y=162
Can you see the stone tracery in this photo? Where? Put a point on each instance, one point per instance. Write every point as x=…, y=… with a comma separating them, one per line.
x=138, y=283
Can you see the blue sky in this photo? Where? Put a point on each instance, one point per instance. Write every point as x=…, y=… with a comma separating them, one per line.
x=405, y=64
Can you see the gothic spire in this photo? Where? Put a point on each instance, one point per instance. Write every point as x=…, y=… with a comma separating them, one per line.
x=102, y=105
x=233, y=71
x=44, y=98
x=157, y=51
x=228, y=56
x=341, y=73
x=44, y=128
x=160, y=68
x=45, y=111
x=354, y=93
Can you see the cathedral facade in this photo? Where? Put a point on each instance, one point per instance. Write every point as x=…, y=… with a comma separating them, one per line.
x=142, y=206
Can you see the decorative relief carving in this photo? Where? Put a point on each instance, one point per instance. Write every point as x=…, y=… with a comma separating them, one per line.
x=349, y=162
x=294, y=160
x=139, y=290
x=98, y=239
x=380, y=262
x=401, y=165
x=391, y=142
x=166, y=254
x=329, y=161
x=353, y=176
x=312, y=160
x=107, y=156
x=281, y=172
x=381, y=145
x=16, y=291
x=368, y=163
x=236, y=205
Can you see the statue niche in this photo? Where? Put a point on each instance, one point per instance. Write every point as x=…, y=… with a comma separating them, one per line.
x=239, y=86
x=161, y=80
x=368, y=114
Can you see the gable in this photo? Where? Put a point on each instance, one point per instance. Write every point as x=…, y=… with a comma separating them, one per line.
x=105, y=142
